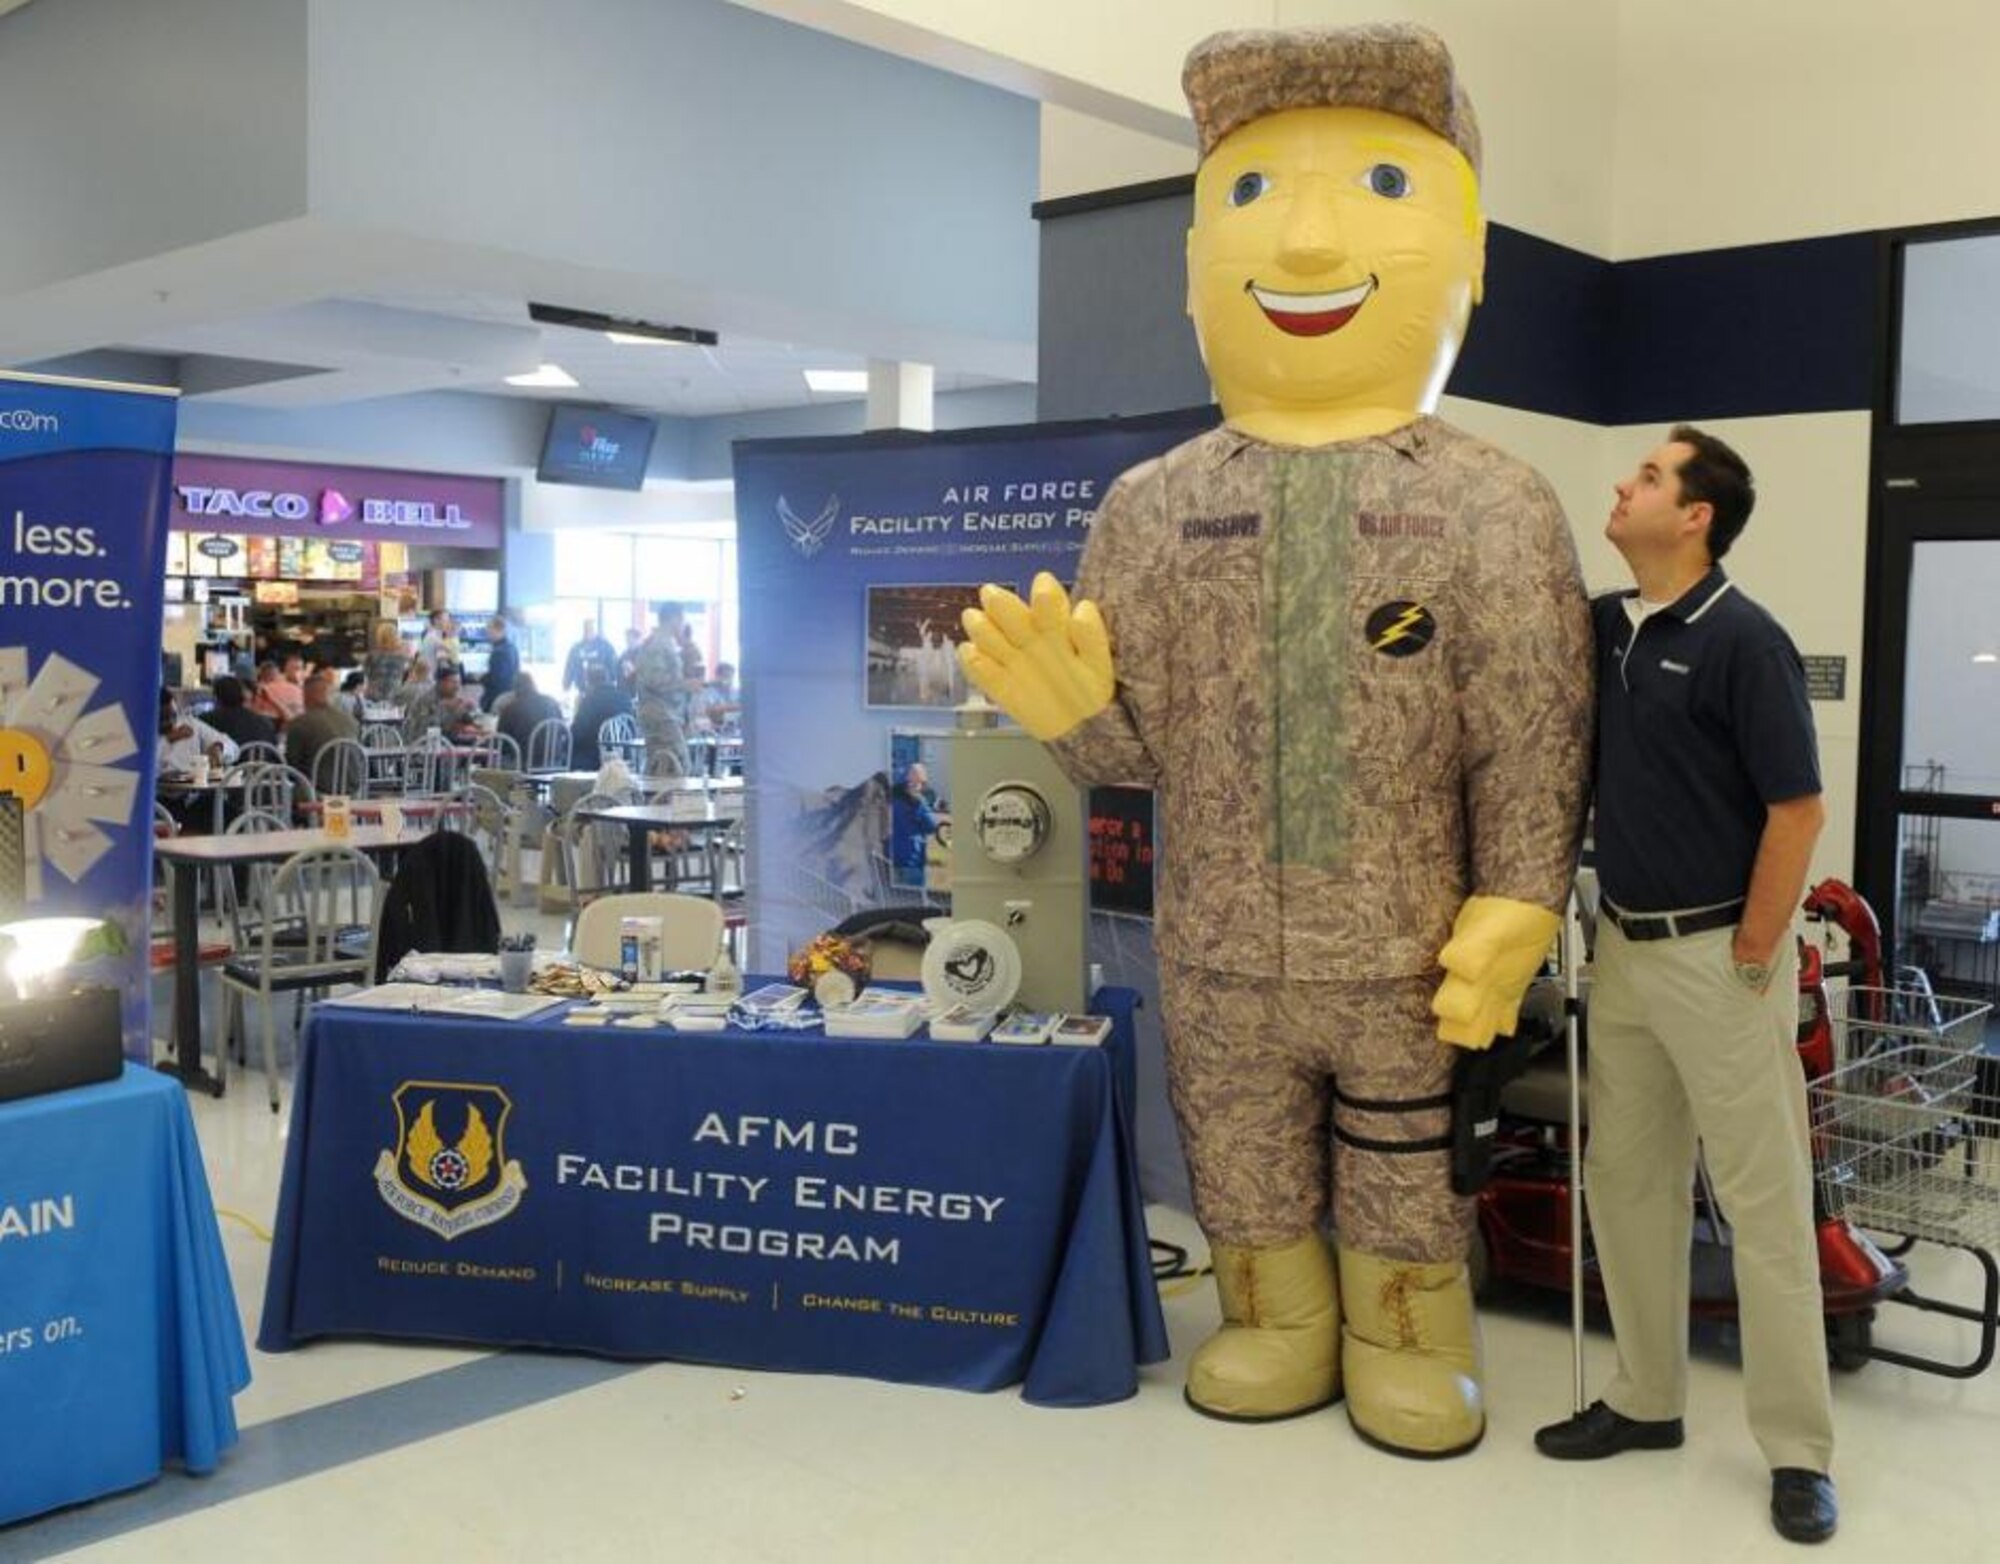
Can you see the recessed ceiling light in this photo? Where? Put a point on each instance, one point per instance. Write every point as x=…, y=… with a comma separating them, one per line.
x=836, y=379
x=552, y=375
x=634, y=339
x=1986, y=657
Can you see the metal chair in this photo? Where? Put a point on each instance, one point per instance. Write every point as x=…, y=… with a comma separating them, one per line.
x=548, y=744
x=229, y=904
x=592, y=852
x=259, y=753
x=690, y=927
x=506, y=753
x=277, y=789
x=341, y=766
x=383, y=742
x=618, y=735
x=431, y=768
x=486, y=818
x=336, y=896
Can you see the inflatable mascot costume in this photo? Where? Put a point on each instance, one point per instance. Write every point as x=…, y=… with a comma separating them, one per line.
x=1349, y=647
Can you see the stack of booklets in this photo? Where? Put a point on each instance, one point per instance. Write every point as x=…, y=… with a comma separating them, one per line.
x=1026, y=1027
x=876, y=1013
x=1031, y=1027
x=962, y=1024
x=437, y=999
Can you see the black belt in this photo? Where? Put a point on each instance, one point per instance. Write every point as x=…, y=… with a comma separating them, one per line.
x=1671, y=925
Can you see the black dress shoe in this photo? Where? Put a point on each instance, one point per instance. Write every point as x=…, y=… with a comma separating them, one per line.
x=1592, y=1435
x=1802, y=1505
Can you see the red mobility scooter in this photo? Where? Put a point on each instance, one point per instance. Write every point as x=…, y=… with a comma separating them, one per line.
x=1530, y=1231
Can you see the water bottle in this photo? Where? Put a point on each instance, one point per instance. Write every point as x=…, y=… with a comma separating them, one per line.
x=723, y=978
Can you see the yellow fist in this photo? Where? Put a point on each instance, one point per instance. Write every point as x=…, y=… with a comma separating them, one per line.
x=1497, y=946
x=1046, y=664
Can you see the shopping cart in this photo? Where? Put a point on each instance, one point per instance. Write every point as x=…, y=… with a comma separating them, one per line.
x=1901, y=1130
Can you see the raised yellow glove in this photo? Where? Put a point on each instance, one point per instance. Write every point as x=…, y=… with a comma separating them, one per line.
x=1046, y=665
x=1496, y=947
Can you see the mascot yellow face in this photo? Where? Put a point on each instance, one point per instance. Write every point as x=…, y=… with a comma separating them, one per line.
x=1334, y=261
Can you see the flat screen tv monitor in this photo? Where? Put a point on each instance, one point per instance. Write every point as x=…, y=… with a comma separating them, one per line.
x=596, y=447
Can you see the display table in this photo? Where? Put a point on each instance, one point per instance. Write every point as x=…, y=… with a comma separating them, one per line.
x=119, y=1342
x=964, y=1215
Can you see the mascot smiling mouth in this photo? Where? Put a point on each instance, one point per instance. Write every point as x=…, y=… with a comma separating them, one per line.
x=1311, y=314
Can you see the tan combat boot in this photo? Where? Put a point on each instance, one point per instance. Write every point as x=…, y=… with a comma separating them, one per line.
x=1278, y=1352
x=1410, y=1354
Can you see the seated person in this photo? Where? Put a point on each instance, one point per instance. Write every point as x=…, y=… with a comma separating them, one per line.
x=276, y=696
x=321, y=722
x=526, y=709
x=718, y=700
x=912, y=823
x=350, y=699
x=232, y=714
x=443, y=706
x=602, y=700
x=185, y=739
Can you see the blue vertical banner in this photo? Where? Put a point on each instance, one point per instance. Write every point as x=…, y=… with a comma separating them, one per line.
x=85, y=477
x=855, y=557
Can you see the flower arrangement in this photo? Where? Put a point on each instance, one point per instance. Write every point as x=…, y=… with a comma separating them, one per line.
x=827, y=953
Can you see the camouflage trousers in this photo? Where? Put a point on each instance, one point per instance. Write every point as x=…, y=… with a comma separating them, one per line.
x=1286, y=1091
x=665, y=739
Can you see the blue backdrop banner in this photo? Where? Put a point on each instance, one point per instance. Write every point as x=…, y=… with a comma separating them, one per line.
x=855, y=557
x=84, y=483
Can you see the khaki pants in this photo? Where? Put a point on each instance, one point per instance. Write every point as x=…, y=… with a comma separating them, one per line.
x=1681, y=1048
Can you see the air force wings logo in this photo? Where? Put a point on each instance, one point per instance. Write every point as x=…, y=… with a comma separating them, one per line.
x=809, y=536
x=449, y=1169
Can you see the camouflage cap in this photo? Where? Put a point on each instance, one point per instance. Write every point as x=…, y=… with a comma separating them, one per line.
x=1233, y=78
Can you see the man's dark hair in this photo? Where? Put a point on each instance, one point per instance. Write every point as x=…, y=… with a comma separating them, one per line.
x=1716, y=475
x=228, y=690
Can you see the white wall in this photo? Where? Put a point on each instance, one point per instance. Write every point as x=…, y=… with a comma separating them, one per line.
x=131, y=128
x=1082, y=154
x=709, y=162
x=1539, y=71
x=1741, y=121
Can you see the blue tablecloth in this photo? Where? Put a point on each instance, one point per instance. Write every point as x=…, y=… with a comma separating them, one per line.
x=952, y=1214
x=120, y=1346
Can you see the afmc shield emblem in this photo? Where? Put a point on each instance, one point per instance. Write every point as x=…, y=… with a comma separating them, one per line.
x=449, y=1170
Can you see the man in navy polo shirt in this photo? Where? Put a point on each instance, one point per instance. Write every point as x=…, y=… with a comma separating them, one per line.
x=1708, y=805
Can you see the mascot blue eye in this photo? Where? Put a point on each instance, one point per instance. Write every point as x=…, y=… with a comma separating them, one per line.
x=1247, y=188
x=1386, y=179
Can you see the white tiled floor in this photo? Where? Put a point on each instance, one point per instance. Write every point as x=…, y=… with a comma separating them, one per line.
x=668, y=1461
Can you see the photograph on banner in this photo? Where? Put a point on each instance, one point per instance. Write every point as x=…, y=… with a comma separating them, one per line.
x=913, y=636
x=1121, y=850
x=84, y=475
x=876, y=543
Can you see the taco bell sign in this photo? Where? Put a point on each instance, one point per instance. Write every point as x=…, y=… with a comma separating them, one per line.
x=300, y=499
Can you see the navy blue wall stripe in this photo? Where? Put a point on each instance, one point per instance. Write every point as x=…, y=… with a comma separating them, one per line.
x=1741, y=332
x=1761, y=329
x=1539, y=341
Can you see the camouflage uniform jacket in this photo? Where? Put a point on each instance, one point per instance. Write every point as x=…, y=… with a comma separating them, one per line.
x=656, y=677
x=1359, y=678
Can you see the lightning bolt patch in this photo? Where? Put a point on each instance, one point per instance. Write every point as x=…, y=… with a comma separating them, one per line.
x=1401, y=629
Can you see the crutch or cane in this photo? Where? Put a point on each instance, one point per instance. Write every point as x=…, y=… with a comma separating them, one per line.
x=1572, y=957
